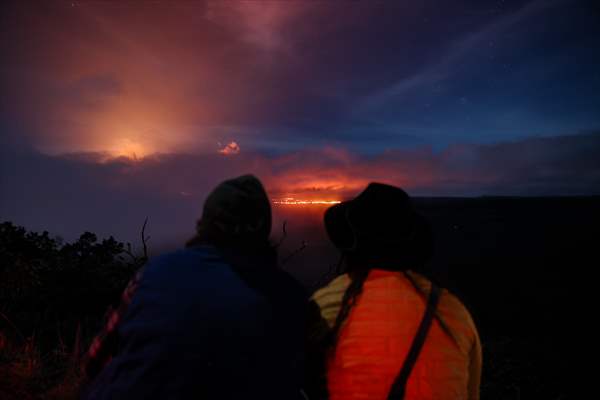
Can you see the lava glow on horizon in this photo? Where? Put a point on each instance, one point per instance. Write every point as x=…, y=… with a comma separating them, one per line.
x=291, y=201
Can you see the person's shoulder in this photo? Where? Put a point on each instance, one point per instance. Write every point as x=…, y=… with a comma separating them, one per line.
x=184, y=254
x=457, y=308
x=332, y=289
x=181, y=259
x=461, y=322
x=453, y=312
x=329, y=298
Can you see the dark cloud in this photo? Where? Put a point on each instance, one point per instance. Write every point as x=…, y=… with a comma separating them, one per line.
x=69, y=194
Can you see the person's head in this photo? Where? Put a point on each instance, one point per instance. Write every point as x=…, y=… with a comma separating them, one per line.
x=380, y=229
x=377, y=229
x=237, y=213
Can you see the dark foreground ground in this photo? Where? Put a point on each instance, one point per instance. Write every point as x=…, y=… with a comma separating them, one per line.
x=523, y=267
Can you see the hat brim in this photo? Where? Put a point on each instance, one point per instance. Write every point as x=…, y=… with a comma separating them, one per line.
x=338, y=227
x=341, y=234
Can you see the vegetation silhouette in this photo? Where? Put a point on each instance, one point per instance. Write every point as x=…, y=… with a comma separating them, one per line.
x=53, y=298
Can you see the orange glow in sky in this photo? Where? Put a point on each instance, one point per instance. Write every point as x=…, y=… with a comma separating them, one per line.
x=126, y=147
x=293, y=201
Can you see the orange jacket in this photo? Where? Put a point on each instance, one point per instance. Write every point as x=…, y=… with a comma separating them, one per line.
x=379, y=330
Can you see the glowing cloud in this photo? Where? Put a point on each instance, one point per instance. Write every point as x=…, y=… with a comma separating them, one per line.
x=230, y=149
x=128, y=148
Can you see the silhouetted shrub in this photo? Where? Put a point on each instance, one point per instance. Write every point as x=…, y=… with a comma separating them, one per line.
x=44, y=282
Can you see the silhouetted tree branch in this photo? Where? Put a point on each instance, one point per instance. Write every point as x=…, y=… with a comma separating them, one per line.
x=294, y=253
x=145, y=239
x=134, y=258
x=283, y=235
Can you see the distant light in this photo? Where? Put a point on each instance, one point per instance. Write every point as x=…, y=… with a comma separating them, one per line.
x=292, y=201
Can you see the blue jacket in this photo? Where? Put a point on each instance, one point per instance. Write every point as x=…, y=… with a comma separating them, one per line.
x=209, y=324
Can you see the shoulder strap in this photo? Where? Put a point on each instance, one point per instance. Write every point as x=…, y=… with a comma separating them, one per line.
x=399, y=386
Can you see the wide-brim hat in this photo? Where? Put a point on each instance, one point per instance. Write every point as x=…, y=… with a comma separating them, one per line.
x=380, y=223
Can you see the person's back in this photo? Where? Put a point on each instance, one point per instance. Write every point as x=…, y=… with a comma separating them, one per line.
x=383, y=330
x=377, y=334
x=195, y=328
x=217, y=320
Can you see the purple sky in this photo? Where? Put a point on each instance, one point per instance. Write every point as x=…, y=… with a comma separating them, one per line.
x=113, y=111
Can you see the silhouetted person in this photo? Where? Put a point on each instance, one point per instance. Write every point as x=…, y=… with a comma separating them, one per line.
x=383, y=330
x=217, y=320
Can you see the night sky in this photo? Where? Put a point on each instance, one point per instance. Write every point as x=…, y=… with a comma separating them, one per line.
x=113, y=111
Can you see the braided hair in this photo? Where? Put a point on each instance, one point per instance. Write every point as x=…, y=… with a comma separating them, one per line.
x=358, y=273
